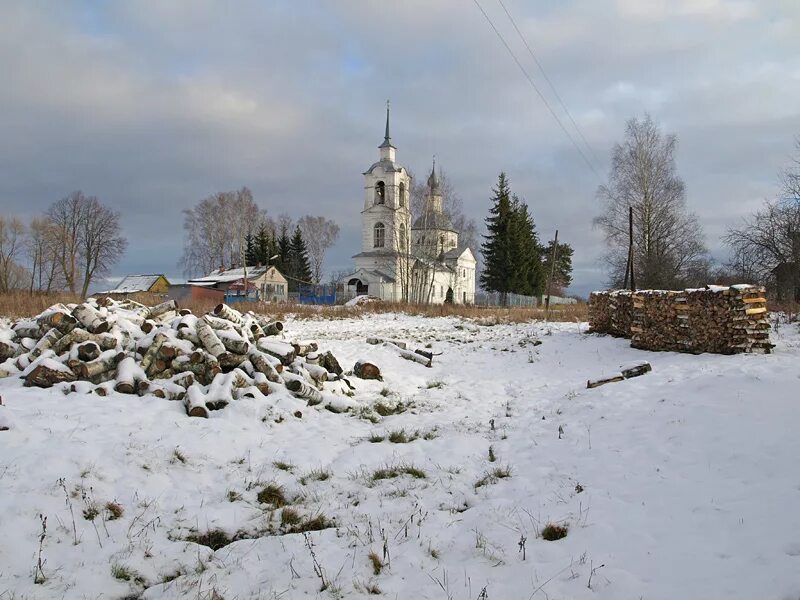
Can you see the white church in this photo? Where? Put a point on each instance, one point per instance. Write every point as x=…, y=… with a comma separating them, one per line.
x=404, y=262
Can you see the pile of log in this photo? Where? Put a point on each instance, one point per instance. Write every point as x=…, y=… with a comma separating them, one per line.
x=717, y=319
x=205, y=361
x=610, y=312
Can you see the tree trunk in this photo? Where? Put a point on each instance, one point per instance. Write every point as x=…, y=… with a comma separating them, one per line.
x=367, y=370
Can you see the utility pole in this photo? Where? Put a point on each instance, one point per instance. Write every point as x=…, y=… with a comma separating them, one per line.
x=553, y=257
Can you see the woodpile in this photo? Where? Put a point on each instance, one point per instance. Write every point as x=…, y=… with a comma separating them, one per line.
x=722, y=320
x=204, y=361
x=611, y=312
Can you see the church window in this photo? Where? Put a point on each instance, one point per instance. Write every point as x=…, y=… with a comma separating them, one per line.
x=401, y=200
x=402, y=235
x=379, y=235
x=380, y=193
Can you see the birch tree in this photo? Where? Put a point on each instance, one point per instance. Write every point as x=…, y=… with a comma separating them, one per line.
x=12, y=246
x=668, y=247
x=319, y=234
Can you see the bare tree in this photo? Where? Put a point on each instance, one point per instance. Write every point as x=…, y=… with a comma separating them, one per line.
x=431, y=252
x=65, y=217
x=668, y=241
x=319, y=234
x=769, y=239
x=84, y=238
x=12, y=245
x=215, y=228
x=100, y=241
x=42, y=254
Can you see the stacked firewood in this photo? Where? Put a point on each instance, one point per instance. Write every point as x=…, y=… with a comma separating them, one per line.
x=204, y=361
x=723, y=320
x=610, y=312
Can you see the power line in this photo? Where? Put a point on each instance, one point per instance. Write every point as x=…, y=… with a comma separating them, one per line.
x=547, y=79
x=538, y=91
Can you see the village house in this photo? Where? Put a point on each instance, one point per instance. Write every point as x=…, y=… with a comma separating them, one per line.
x=134, y=284
x=263, y=283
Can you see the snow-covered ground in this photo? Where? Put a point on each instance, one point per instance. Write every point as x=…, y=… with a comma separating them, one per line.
x=682, y=483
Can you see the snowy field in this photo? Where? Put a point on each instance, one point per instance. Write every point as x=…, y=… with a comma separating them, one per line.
x=682, y=483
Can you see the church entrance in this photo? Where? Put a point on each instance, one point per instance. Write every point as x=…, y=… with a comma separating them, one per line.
x=448, y=299
x=361, y=288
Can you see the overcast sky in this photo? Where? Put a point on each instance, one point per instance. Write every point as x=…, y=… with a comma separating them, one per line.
x=153, y=105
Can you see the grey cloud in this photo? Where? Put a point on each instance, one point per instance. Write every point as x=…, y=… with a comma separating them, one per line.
x=153, y=105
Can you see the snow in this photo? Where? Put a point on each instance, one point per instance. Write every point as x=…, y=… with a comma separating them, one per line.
x=135, y=283
x=682, y=483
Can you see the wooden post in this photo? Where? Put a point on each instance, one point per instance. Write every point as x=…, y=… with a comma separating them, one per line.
x=630, y=247
x=550, y=278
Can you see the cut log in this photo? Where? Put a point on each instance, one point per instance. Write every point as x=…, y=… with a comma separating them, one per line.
x=90, y=318
x=229, y=361
x=408, y=355
x=208, y=338
x=162, y=309
x=7, y=349
x=47, y=341
x=223, y=311
x=195, y=402
x=88, y=351
x=304, y=348
x=99, y=366
x=329, y=362
x=60, y=319
x=128, y=373
x=27, y=329
x=593, y=383
x=756, y=311
x=301, y=389
x=152, y=352
x=270, y=327
x=148, y=327
x=280, y=350
x=318, y=374
x=233, y=342
x=367, y=370
x=373, y=341
x=263, y=365
x=48, y=373
x=635, y=370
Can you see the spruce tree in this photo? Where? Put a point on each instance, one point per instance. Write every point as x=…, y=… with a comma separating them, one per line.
x=283, y=250
x=301, y=267
x=496, y=249
x=250, y=256
x=262, y=245
x=526, y=273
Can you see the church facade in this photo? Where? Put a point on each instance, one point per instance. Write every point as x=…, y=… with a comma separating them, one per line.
x=408, y=253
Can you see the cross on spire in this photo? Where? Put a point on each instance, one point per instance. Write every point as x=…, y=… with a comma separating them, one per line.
x=387, y=139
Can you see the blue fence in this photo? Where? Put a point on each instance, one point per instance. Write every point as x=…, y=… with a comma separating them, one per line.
x=317, y=294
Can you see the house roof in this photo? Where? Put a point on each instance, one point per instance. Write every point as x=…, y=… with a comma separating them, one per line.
x=135, y=283
x=233, y=275
x=456, y=253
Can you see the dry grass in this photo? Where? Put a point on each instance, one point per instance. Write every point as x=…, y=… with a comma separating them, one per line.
x=23, y=304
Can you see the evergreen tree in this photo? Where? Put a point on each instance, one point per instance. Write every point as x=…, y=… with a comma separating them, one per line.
x=562, y=276
x=496, y=248
x=298, y=257
x=262, y=245
x=283, y=250
x=250, y=256
x=526, y=274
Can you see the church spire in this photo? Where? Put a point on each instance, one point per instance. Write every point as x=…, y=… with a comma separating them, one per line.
x=433, y=181
x=387, y=139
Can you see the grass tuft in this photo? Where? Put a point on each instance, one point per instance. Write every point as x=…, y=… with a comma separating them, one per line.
x=290, y=517
x=114, y=510
x=315, y=475
x=392, y=471
x=377, y=563
x=272, y=494
x=283, y=466
x=493, y=476
x=178, y=456
x=554, y=531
